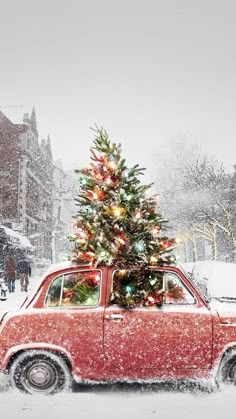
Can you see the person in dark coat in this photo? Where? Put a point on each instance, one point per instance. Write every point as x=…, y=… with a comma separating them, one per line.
x=24, y=270
x=11, y=273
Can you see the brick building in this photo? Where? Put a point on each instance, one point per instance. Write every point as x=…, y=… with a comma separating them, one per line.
x=26, y=182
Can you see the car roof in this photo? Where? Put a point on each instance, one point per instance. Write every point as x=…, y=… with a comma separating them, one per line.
x=64, y=265
x=69, y=264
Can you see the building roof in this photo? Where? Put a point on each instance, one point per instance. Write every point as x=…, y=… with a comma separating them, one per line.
x=16, y=113
x=17, y=238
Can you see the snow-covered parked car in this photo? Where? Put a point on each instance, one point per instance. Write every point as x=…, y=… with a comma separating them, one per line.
x=73, y=327
x=216, y=279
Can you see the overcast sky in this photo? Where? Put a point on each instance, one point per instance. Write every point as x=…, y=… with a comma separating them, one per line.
x=147, y=71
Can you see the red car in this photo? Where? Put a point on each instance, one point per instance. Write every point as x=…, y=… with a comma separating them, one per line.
x=73, y=328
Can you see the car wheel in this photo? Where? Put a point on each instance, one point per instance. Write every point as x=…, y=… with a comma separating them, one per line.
x=227, y=370
x=40, y=372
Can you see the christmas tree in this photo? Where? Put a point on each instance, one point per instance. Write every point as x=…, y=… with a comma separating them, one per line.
x=117, y=222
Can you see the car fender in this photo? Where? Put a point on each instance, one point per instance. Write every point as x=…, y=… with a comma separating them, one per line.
x=33, y=346
x=229, y=347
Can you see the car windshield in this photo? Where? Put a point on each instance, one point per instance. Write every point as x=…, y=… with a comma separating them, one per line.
x=199, y=282
x=216, y=279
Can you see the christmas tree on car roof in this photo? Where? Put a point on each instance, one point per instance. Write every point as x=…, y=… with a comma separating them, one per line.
x=117, y=221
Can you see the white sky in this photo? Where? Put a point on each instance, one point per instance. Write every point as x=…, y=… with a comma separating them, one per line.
x=146, y=70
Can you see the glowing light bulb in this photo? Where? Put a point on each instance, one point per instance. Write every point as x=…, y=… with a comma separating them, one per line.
x=128, y=197
x=83, y=181
x=120, y=240
x=126, y=173
x=108, y=181
x=155, y=231
x=117, y=212
x=150, y=299
x=97, y=279
x=139, y=247
x=153, y=259
x=121, y=272
x=152, y=282
x=129, y=288
x=112, y=165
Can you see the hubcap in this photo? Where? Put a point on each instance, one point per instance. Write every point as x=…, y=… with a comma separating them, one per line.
x=40, y=376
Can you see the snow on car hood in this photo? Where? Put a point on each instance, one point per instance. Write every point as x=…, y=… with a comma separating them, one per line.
x=226, y=310
x=218, y=277
x=219, y=281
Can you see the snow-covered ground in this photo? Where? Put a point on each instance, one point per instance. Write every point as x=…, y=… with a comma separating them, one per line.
x=15, y=299
x=162, y=401
x=127, y=402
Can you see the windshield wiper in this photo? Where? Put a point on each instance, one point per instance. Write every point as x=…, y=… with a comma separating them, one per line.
x=226, y=299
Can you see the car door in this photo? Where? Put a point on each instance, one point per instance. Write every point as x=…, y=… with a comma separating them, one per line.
x=176, y=334
x=73, y=307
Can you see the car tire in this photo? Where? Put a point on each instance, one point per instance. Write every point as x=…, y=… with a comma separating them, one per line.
x=227, y=370
x=39, y=371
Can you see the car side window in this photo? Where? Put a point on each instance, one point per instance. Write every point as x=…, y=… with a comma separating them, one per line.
x=175, y=290
x=147, y=288
x=75, y=289
x=137, y=287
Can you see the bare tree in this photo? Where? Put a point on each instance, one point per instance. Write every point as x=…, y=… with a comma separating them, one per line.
x=208, y=231
x=218, y=211
x=198, y=198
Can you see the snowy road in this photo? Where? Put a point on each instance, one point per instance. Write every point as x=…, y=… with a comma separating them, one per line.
x=118, y=401
x=129, y=403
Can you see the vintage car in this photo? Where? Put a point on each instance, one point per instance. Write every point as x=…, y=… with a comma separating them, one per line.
x=73, y=328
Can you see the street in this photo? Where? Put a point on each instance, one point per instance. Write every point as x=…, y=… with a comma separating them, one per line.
x=129, y=402
x=16, y=298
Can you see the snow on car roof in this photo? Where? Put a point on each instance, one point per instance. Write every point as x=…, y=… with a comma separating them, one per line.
x=63, y=265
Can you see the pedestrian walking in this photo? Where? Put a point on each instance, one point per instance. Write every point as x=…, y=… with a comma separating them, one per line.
x=3, y=289
x=11, y=273
x=24, y=270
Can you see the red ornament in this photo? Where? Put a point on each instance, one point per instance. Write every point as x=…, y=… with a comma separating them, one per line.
x=154, y=298
x=138, y=215
x=111, y=181
x=93, y=279
x=155, y=230
x=95, y=157
x=99, y=177
x=87, y=256
x=69, y=294
x=96, y=195
x=121, y=239
x=166, y=244
x=175, y=293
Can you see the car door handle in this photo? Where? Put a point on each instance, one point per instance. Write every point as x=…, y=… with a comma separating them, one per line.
x=114, y=317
